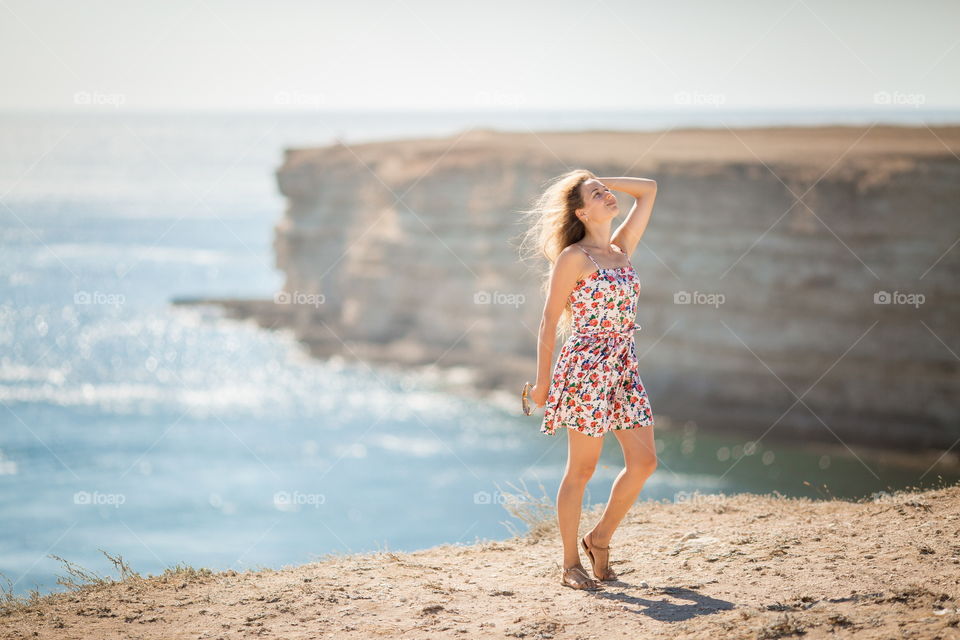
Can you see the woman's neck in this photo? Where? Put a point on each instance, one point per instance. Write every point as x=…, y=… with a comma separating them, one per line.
x=597, y=246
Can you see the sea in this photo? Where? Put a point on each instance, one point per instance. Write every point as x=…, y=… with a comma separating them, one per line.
x=170, y=435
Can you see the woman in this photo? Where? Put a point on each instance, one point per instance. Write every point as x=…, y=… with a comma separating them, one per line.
x=595, y=386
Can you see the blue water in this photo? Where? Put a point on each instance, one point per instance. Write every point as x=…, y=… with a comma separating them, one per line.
x=170, y=434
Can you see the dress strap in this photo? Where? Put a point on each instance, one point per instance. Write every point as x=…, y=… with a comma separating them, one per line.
x=591, y=257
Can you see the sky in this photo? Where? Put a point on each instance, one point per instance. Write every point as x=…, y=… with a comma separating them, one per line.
x=414, y=54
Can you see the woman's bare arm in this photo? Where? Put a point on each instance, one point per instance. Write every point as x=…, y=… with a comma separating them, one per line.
x=628, y=234
x=565, y=275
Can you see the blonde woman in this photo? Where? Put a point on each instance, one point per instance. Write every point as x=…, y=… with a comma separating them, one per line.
x=595, y=387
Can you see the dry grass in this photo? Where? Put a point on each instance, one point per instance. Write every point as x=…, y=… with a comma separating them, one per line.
x=738, y=566
x=78, y=579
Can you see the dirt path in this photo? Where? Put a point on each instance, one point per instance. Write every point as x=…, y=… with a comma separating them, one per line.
x=746, y=566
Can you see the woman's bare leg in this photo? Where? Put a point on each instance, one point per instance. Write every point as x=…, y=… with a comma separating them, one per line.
x=583, y=451
x=640, y=458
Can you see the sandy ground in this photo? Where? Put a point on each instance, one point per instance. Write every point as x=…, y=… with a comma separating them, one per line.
x=746, y=566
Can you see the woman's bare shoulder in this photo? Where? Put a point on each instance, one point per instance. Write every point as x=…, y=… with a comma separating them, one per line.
x=573, y=260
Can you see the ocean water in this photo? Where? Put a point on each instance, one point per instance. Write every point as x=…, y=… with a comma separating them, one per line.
x=172, y=435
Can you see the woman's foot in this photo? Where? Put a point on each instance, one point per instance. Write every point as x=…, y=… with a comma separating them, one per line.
x=599, y=559
x=576, y=577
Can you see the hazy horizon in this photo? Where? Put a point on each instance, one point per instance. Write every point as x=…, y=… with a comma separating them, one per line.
x=213, y=55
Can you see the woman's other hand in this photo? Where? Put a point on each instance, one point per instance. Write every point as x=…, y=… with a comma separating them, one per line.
x=538, y=394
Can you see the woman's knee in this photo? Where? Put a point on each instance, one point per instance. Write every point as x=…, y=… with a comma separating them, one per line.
x=579, y=473
x=643, y=465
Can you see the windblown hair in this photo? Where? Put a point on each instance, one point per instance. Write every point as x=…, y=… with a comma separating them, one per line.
x=552, y=226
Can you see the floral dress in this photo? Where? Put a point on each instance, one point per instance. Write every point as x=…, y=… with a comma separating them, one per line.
x=596, y=384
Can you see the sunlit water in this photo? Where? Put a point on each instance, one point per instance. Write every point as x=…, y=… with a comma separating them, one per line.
x=171, y=435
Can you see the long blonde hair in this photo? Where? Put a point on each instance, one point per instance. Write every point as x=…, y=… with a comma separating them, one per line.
x=552, y=225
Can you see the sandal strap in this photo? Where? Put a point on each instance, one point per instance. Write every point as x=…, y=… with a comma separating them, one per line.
x=583, y=572
x=593, y=546
x=576, y=569
x=608, y=570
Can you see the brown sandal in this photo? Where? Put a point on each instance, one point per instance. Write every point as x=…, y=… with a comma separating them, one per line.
x=576, y=577
x=608, y=573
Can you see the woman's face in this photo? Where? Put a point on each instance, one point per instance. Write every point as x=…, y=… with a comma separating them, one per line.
x=599, y=203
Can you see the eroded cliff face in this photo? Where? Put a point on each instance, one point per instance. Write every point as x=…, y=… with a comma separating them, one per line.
x=761, y=268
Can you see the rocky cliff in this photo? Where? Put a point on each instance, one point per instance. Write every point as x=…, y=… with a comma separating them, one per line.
x=797, y=282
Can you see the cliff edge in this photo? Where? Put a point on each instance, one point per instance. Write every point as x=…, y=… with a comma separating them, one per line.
x=798, y=281
x=714, y=566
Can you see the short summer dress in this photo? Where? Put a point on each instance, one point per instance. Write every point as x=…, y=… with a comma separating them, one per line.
x=596, y=384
